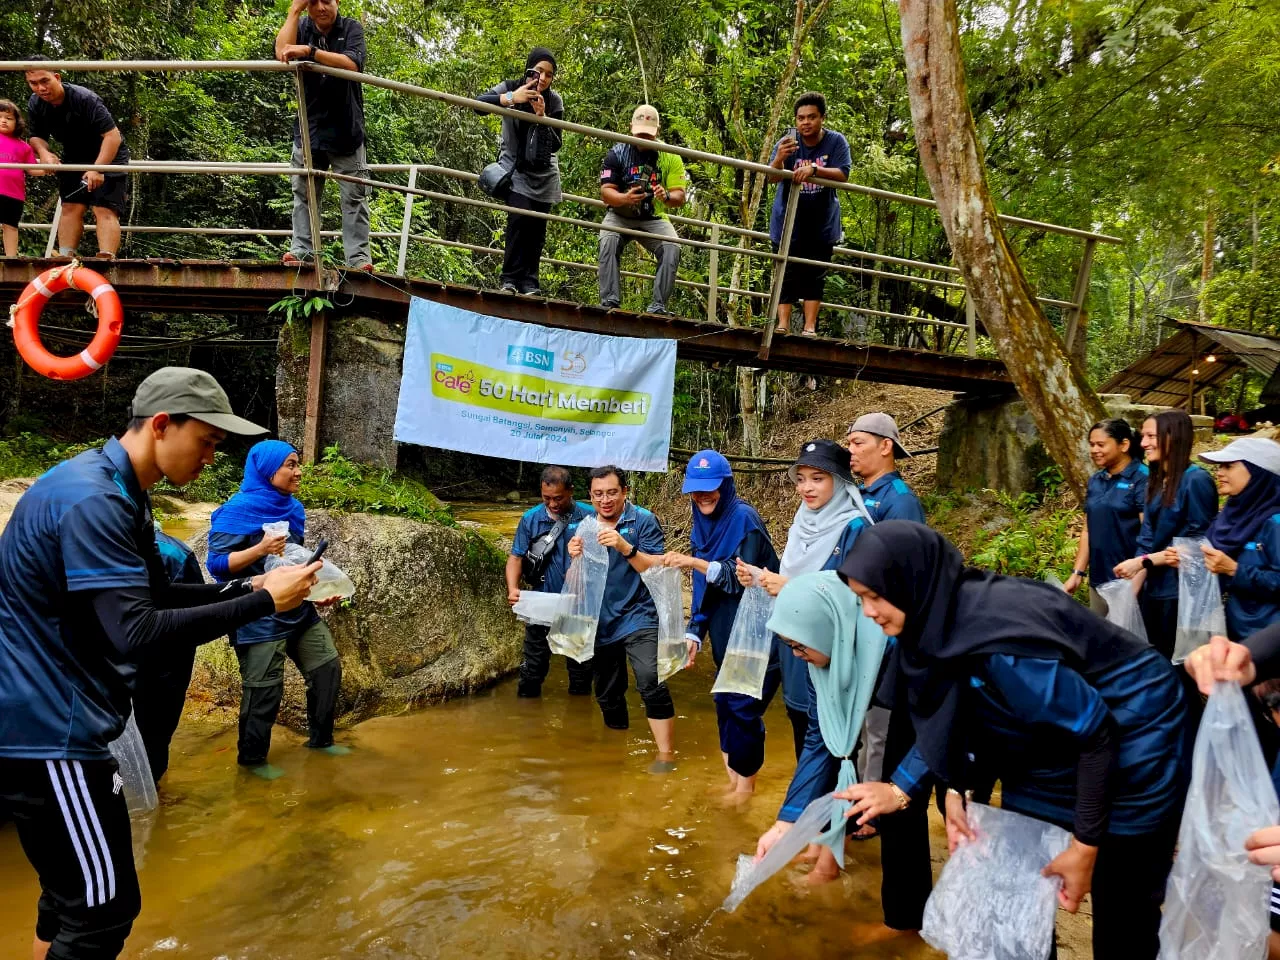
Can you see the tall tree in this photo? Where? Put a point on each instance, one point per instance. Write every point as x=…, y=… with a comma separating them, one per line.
x=1055, y=389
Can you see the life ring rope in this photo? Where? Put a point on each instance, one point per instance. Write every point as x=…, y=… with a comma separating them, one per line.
x=104, y=305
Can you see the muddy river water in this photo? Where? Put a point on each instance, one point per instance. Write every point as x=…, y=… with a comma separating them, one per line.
x=487, y=827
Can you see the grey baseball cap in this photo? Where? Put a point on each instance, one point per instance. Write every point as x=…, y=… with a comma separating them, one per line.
x=192, y=392
x=881, y=425
x=1258, y=451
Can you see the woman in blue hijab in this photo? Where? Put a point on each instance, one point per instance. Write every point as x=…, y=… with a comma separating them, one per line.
x=239, y=547
x=1244, y=539
x=726, y=529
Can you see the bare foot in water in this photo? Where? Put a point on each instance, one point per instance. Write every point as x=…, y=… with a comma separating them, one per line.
x=869, y=932
x=810, y=854
x=825, y=870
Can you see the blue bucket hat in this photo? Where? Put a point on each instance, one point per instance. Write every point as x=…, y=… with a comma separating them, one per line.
x=706, y=471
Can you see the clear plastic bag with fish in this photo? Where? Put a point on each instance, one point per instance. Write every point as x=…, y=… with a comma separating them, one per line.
x=746, y=655
x=536, y=607
x=666, y=586
x=1122, y=606
x=1216, y=901
x=991, y=903
x=331, y=581
x=573, y=629
x=749, y=874
x=135, y=770
x=1200, y=611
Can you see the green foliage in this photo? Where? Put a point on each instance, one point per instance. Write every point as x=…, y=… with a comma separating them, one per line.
x=337, y=483
x=1032, y=544
x=297, y=308
x=215, y=484
x=30, y=454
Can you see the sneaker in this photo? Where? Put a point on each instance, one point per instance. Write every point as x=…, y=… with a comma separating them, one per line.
x=508, y=287
x=611, y=304
x=365, y=267
x=658, y=311
x=295, y=260
x=532, y=291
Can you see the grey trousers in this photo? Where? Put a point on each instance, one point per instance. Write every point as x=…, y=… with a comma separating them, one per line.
x=355, y=205
x=874, y=734
x=612, y=245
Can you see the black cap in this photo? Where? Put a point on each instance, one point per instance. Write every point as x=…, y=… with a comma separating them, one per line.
x=825, y=455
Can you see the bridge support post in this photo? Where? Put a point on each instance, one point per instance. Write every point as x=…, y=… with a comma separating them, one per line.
x=315, y=386
x=404, y=225
x=52, y=245
x=971, y=322
x=1080, y=297
x=780, y=269
x=713, y=276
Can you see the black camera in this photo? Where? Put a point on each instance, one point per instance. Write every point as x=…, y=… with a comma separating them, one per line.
x=645, y=207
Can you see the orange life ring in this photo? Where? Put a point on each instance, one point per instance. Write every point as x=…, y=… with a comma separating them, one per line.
x=26, y=319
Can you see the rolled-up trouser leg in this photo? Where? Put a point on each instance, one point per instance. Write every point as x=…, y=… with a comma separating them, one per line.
x=642, y=652
x=742, y=731
x=609, y=666
x=262, y=688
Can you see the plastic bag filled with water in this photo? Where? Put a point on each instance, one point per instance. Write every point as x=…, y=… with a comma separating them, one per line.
x=746, y=655
x=666, y=586
x=131, y=757
x=1216, y=902
x=331, y=581
x=1200, y=611
x=573, y=629
x=749, y=875
x=1122, y=606
x=537, y=607
x=991, y=903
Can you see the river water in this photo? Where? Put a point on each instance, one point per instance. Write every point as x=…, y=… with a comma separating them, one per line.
x=490, y=827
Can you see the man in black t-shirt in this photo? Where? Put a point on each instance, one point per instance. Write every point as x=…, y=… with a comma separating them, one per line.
x=335, y=116
x=78, y=119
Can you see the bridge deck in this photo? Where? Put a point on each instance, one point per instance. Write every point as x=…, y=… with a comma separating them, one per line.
x=221, y=287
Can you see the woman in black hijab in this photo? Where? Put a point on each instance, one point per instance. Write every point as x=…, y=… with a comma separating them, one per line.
x=1084, y=725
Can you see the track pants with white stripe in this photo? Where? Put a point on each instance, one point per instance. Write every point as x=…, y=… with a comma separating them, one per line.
x=74, y=828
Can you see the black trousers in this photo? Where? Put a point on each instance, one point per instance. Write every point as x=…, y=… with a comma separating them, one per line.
x=610, y=667
x=159, y=694
x=74, y=828
x=525, y=239
x=537, y=664
x=1128, y=891
x=1160, y=617
x=906, y=869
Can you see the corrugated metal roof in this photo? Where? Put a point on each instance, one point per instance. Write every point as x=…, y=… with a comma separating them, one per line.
x=1164, y=376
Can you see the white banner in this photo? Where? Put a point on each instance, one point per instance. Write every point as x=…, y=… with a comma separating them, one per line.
x=507, y=389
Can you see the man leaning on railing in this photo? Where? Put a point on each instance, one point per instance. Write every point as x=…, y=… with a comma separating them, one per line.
x=335, y=118
x=638, y=186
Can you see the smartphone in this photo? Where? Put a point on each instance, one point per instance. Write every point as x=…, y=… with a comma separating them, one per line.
x=793, y=134
x=321, y=547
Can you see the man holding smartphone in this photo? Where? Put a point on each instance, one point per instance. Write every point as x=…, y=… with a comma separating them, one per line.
x=85, y=594
x=817, y=156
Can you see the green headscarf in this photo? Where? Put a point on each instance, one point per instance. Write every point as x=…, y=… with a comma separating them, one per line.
x=819, y=611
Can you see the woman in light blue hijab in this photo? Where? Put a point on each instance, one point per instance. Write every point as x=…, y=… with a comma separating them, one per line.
x=821, y=621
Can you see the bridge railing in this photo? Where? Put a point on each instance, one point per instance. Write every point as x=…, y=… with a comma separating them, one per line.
x=923, y=273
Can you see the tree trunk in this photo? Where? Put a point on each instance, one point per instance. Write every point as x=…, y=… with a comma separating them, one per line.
x=1206, y=256
x=1056, y=392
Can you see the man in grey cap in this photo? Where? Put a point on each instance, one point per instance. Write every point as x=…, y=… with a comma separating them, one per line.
x=874, y=446
x=85, y=592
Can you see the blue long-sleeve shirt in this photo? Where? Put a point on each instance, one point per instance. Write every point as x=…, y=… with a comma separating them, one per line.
x=1253, y=592
x=1027, y=719
x=1193, y=509
x=795, y=672
x=715, y=614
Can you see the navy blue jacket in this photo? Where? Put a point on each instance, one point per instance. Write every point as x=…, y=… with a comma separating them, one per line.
x=715, y=615
x=1113, y=509
x=536, y=523
x=1193, y=509
x=1027, y=718
x=1253, y=593
x=889, y=498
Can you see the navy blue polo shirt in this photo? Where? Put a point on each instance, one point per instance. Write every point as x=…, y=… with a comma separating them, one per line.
x=627, y=607
x=889, y=498
x=1193, y=509
x=1253, y=593
x=1113, y=508
x=84, y=526
x=538, y=522
x=277, y=626
x=180, y=563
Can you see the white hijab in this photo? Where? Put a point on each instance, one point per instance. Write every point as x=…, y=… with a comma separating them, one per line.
x=814, y=533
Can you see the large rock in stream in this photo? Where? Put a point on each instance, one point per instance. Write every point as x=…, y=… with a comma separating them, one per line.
x=429, y=620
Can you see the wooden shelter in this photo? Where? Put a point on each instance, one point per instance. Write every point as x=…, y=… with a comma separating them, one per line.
x=1195, y=358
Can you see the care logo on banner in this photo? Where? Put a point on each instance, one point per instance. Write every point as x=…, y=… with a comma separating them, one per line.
x=501, y=388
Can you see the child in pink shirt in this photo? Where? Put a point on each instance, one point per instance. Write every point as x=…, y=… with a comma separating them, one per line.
x=13, y=185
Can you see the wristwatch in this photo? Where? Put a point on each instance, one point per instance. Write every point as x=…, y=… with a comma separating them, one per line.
x=1147, y=563
x=628, y=556
x=311, y=53
x=511, y=99
x=1078, y=573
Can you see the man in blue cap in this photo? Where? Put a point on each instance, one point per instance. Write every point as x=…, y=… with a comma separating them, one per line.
x=85, y=593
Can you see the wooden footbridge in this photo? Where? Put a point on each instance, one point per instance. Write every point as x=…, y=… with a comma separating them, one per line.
x=942, y=332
